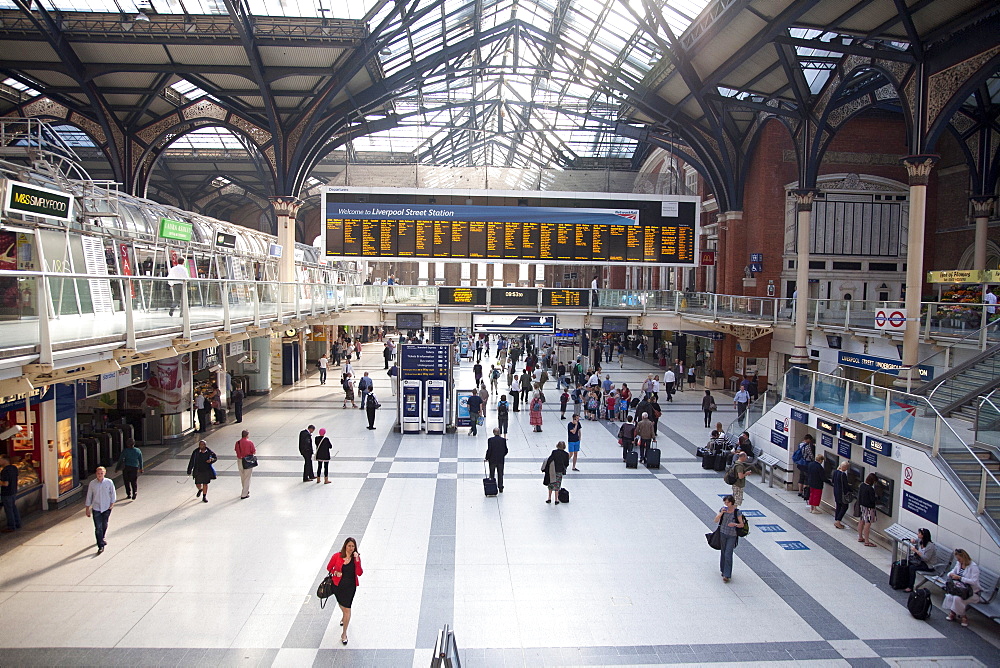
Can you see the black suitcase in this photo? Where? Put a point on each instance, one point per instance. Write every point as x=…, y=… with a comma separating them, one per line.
x=653, y=458
x=563, y=495
x=701, y=452
x=899, y=575
x=632, y=460
x=708, y=461
x=720, y=461
x=919, y=603
x=489, y=484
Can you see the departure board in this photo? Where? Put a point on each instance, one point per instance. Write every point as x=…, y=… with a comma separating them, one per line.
x=568, y=298
x=562, y=230
x=462, y=296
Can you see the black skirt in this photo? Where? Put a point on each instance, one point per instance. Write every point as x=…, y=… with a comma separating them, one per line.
x=347, y=587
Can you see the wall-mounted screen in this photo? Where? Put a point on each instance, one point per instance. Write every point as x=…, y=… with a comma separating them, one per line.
x=615, y=324
x=409, y=321
x=514, y=323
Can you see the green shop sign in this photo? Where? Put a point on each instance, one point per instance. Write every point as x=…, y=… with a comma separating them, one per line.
x=25, y=199
x=175, y=229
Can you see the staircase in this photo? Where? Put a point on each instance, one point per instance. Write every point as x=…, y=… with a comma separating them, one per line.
x=956, y=393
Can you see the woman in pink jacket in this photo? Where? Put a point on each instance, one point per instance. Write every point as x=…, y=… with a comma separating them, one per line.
x=345, y=568
x=535, y=412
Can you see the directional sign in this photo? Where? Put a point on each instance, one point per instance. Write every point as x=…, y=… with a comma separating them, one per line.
x=769, y=528
x=756, y=267
x=792, y=545
x=756, y=257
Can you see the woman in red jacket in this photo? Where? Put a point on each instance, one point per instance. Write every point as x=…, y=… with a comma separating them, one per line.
x=345, y=568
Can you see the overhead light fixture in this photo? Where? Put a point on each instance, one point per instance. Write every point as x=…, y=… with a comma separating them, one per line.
x=386, y=51
x=653, y=59
x=141, y=17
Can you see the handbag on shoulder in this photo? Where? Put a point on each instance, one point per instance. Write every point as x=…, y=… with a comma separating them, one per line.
x=249, y=461
x=715, y=538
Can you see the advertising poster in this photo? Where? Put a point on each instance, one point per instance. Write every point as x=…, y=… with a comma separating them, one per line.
x=462, y=418
x=168, y=388
x=64, y=446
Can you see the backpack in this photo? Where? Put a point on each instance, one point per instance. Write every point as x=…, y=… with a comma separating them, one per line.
x=919, y=603
x=495, y=374
x=730, y=478
x=742, y=533
x=799, y=456
x=502, y=408
x=592, y=405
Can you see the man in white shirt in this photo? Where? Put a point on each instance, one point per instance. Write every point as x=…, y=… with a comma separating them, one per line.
x=176, y=277
x=990, y=300
x=100, y=500
x=322, y=364
x=669, y=378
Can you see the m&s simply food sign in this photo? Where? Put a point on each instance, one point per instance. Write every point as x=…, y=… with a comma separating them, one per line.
x=34, y=201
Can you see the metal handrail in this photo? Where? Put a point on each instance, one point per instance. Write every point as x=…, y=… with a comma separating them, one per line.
x=939, y=421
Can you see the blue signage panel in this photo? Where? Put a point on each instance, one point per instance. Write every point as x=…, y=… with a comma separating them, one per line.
x=792, y=545
x=426, y=362
x=800, y=416
x=918, y=505
x=869, y=458
x=879, y=446
x=844, y=448
x=756, y=257
x=779, y=439
x=826, y=440
x=462, y=417
x=779, y=425
x=756, y=267
x=880, y=364
x=769, y=528
x=443, y=334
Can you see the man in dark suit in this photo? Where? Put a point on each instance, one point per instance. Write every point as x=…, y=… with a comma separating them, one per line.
x=306, y=450
x=496, y=450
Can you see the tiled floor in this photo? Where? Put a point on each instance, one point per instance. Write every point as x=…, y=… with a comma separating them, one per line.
x=619, y=576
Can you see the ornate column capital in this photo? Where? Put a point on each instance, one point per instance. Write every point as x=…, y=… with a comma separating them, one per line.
x=918, y=168
x=285, y=206
x=804, y=198
x=982, y=205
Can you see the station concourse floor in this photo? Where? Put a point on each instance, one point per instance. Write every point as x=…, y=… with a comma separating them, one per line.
x=619, y=576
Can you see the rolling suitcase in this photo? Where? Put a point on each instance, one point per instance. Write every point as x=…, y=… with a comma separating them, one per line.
x=653, y=458
x=720, y=461
x=489, y=484
x=899, y=574
x=708, y=461
x=919, y=603
x=632, y=459
x=563, y=495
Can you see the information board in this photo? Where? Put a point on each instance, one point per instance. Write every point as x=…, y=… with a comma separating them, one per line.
x=513, y=297
x=425, y=362
x=513, y=323
x=562, y=228
x=566, y=298
x=462, y=296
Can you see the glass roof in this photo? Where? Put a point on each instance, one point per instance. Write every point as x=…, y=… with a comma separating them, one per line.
x=536, y=91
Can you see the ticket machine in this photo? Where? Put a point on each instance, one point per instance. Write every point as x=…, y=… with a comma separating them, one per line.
x=436, y=408
x=412, y=396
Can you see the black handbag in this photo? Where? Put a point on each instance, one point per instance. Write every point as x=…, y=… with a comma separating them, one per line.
x=715, y=538
x=324, y=590
x=958, y=588
x=249, y=461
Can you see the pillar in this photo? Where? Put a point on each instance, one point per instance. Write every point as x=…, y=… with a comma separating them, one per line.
x=285, y=209
x=804, y=204
x=736, y=256
x=721, y=254
x=982, y=207
x=918, y=168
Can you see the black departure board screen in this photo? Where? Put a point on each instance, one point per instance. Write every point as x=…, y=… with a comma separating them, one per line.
x=406, y=321
x=462, y=296
x=566, y=298
x=556, y=229
x=513, y=297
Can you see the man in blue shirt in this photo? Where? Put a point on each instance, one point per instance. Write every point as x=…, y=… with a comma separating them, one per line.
x=100, y=500
x=8, y=493
x=475, y=410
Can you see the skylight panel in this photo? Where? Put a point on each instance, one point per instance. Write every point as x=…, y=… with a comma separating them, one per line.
x=17, y=85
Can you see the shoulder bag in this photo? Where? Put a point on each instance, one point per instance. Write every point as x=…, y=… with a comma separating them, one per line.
x=324, y=590
x=249, y=461
x=715, y=538
x=963, y=590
